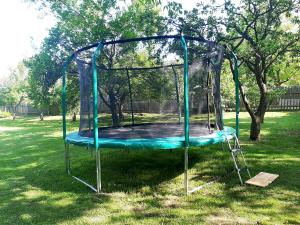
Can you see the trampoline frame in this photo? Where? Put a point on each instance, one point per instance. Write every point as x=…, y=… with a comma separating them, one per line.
x=99, y=46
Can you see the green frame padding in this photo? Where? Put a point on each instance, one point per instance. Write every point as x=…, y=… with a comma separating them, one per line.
x=152, y=143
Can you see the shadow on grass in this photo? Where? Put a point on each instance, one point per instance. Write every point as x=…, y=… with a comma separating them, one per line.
x=36, y=190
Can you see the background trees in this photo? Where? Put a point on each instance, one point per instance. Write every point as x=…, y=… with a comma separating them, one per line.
x=14, y=92
x=264, y=34
x=82, y=22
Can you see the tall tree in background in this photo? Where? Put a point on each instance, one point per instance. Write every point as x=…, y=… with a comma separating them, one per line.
x=15, y=90
x=262, y=33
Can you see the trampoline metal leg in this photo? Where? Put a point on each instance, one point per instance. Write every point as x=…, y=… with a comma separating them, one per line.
x=186, y=179
x=98, y=169
x=186, y=161
x=67, y=158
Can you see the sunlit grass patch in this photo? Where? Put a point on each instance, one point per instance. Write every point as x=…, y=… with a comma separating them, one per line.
x=4, y=129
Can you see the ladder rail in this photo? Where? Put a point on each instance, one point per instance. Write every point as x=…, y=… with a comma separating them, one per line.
x=236, y=150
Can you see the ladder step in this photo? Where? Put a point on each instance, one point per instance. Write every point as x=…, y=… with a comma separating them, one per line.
x=242, y=168
x=236, y=150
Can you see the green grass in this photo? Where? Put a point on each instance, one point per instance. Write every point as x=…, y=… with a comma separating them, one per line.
x=145, y=187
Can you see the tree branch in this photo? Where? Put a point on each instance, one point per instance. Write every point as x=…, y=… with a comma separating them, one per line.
x=279, y=53
x=103, y=99
x=243, y=95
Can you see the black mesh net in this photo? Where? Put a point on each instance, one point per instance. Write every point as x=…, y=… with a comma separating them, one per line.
x=86, y=98
x=140, y=89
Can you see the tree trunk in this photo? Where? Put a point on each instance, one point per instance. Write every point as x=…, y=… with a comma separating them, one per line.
x=258, y=119
x=42, y=116
x=74, y=117
x=113, y=108
x=121, y=115
x=121, y=106
x=255, y=128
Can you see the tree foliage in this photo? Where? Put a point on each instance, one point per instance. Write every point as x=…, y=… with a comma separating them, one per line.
x=264, y=35
x=84, y=22
x=15, y=90
x=257, y=31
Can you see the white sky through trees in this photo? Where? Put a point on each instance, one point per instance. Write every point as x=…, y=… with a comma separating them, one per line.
x=23, y=28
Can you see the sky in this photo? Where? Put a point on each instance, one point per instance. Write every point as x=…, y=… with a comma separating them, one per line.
x=23, y=29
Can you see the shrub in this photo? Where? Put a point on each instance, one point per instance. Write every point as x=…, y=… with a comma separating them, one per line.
x=4, y=114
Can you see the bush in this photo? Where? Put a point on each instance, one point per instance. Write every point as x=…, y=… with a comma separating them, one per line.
x=4, y=114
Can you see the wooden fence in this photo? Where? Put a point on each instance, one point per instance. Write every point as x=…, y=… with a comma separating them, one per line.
x=28, y=109
x=23, y=109
x=289, y=101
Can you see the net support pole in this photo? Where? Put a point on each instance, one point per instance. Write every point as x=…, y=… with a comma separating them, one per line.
x=67, y=158
x=237, y=99
x=98, y=171
x=177, y=94
x=186, y=93
x=64, y=111
x=186, y=168
x=130, y=96
x=95, y=115
x=186, y=111
x=207, y=96
x=64, y=93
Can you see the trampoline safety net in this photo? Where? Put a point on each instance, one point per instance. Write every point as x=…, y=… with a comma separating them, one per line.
x=140, y=89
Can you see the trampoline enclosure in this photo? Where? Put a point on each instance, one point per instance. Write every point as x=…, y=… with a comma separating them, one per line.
x=160, y=92
x=140, y=89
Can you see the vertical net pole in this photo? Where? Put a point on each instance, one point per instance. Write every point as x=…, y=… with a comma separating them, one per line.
x=85, y=85
x=95, y=94
x=237, y=99
x=207, y=95
x=95, y=115
x=64, y=93
x=186, y=92
x=186, y=112
x=177, y=94
x=89, y=112
x=130, y=96
x=217, y=93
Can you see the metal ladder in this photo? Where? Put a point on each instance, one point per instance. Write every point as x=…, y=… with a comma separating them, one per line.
x=236, y=151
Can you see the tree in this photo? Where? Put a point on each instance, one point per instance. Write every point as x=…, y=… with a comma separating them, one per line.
x=256, y=31
x=286, y=71
x=84, y=22
x=15, y=92
x=41, y=89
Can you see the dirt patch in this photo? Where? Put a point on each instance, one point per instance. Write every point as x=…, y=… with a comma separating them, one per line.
x=172, y=202
x=223, y=218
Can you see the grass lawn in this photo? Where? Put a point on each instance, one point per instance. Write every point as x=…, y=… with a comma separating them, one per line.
x=146, y=187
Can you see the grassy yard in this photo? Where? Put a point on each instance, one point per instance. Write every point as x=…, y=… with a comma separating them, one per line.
x=145, y=187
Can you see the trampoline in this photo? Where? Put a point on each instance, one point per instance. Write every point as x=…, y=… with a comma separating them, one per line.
x=160, y=92
x=151, y=136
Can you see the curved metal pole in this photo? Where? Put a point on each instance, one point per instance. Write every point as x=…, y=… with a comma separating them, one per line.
x=237, y=99
x=200, y=39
